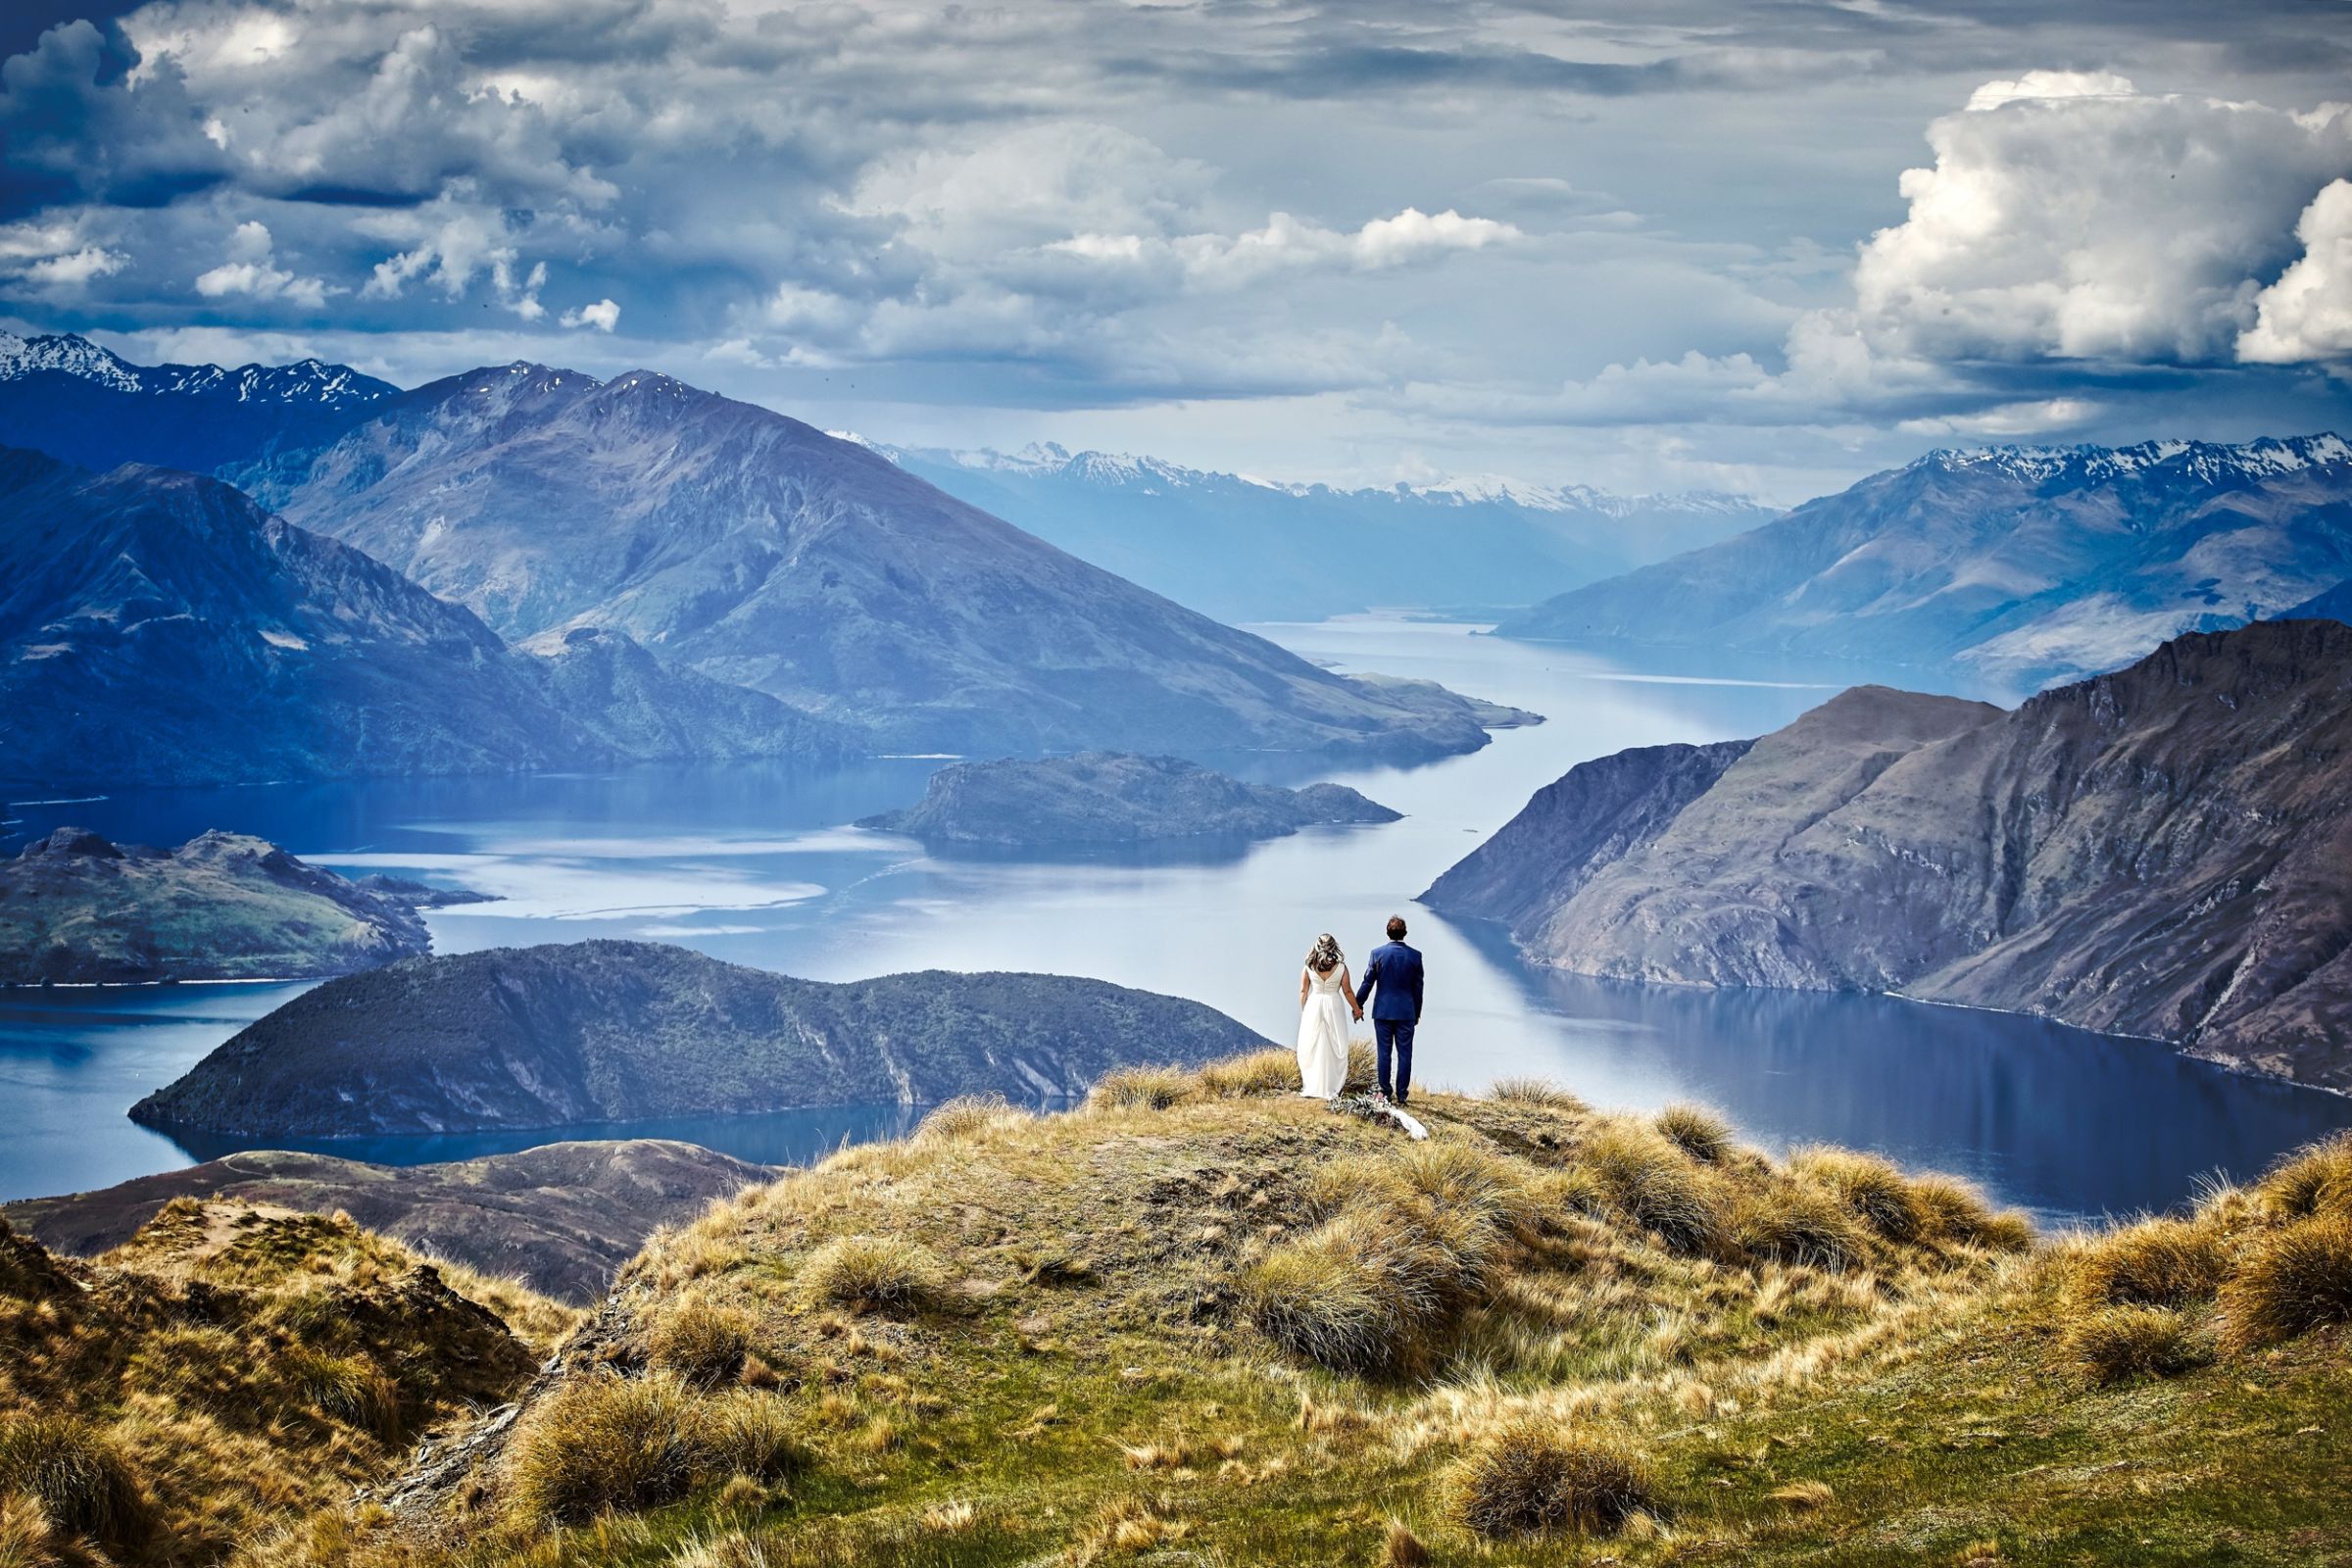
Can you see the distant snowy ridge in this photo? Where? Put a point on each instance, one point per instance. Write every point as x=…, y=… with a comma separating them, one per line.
x=2205, y=461
x=306, y=382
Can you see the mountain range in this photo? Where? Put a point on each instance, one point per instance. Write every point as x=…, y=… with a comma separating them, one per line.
x=1313, y=551
x=65, y=395
x=2165, y=850
x=764, y=552
x=158, y=627
x=2027, y=566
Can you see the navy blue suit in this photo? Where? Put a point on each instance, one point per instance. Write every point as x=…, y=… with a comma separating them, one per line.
x=1395, y=969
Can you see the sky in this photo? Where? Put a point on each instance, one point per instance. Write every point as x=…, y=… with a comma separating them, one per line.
x=1755, y=245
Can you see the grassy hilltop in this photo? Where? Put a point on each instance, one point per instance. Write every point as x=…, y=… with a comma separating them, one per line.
x=1203, y=1321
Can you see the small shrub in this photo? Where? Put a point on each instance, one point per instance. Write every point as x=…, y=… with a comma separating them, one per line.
x=2157, y=1262
x=1532, y=1479
x=872, y=1274
x=704, y=1343
x=953, y=1122
x=1261, y=1072
x=1871, y=1187
x=1652, y=1185
x=82, y=1483
x=1536, y=1092
x=2296, y=1279
x=2317, y=1179
x=1697, y=1131
x=1792, y=1222
x=1140, y=1088
x=2115, y=1343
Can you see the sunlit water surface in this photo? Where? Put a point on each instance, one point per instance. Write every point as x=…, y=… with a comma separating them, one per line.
x=758, y=866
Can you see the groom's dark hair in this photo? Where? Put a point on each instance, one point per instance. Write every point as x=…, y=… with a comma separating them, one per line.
x=1396, y=928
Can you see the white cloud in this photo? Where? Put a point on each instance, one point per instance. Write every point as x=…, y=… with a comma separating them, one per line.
x=2008, y=420
x=456, y=239
x=2068, y=215
x=604, y=316
x=252, y=272
x=2307, y=315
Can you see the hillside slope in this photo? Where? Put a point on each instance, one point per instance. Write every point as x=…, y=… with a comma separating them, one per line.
x=2165, y=851
x=560, y=1217
x=764, y=552
x=613, y=1030
x=157, y=627
x=1204, y=1321
x=1109, y=798
x=2027, y=566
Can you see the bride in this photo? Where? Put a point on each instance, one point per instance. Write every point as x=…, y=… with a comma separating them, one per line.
x=1326, y=998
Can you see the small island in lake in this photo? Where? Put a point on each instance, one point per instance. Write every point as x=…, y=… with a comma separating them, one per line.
x=76, y=909
x=1112, y=798
x=610, y=1031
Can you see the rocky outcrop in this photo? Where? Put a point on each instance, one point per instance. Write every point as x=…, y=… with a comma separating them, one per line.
x=76, y=909
x=618, y=1031
x=2164, y=851
x=160, y=628
x=1108, y=798
x=562, y=1217
x=764, y=553
x=2024, y=566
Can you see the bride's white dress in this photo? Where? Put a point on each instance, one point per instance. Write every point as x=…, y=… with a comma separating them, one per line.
x=1323, y=1036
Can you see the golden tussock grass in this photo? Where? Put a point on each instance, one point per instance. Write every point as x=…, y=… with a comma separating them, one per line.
x=1649, y=1183
x=1697, y=1131
x=1141, y=1089
x=2292, y=1280
x=77, y=1476
x=1273, y=1071
x=1541, y=1092
x=1805, y=1497
x=2114, y=1343
x=607, y=1441
x=1876, y=1193
x=1798, y=1224
x=2312, y=1181
x=704, y=1345
x=2155, y=1262
x=1402, y=1548
x=872, y=1274
x=965, y=1117
x=1535, y=1478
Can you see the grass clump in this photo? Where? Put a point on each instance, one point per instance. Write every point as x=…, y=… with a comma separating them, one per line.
x=607, y=1442
x=1536, y=1092
x=1355, y=1295
x=1871, y=1187
x=872, y=1274
x=1140, y=1088
x=1531, y=1478
x=2294, y=1278
x=2116, y=1342
x=1273, y=1071
x=1697, y=1131
x=704, y=1343
x=2156, y=1262
x=1649, y=1182
x=75, y=1473
x=952, y=1121
x=2317, y=1179
x=1792, y=1222
x=346, y=1388
x=1954, y=1210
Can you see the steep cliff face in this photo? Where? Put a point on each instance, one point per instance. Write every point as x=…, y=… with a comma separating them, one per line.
x=2166, y=851
x=613, y=1030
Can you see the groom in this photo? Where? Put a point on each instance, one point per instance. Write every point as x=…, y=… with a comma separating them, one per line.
x=1395, y=969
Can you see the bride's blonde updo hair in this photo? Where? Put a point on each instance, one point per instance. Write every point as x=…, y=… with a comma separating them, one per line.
x=1325, y=956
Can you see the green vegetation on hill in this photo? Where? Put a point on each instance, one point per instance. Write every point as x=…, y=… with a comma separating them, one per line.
x=227, y=1368
x=1204, y=1321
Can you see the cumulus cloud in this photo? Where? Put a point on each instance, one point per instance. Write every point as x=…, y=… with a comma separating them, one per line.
x=2307, y=315
x=456, y=240
x=604, y=316
x=252, y=270
x=2068, y=215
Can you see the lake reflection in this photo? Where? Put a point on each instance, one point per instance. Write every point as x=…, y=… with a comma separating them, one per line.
x=754, y=864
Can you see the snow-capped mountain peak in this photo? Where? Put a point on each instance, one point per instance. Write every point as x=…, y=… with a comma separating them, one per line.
x=64, y=351
x=2202, y=462
x=306, y=382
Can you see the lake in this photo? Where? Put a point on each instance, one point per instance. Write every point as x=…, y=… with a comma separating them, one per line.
x=758, y=866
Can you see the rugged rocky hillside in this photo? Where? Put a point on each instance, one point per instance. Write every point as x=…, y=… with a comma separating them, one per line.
x=613, y=1030
x=560, y=1217
x=1109, y=798
x=764, y=552
x=74, y=907
x=1314, y=551
x=225, y=1370
x=160, y=628
x=2029, y=566
x=2166, y=852
x=63, y=395
x=1204, y=1321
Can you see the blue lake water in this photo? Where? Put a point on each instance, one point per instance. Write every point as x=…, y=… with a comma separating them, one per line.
x=758, y=865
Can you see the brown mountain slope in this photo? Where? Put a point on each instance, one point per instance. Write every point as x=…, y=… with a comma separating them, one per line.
x=2165, y=850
